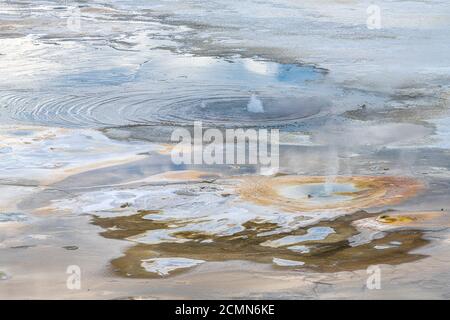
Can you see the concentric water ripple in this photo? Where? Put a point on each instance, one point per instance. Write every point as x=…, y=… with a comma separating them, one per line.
x=214, y=105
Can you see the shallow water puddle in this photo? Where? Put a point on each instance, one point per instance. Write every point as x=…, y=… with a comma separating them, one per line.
x=312, y=234
x=164, y=266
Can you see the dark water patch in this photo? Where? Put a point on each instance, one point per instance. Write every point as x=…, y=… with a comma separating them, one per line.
x=397, y=114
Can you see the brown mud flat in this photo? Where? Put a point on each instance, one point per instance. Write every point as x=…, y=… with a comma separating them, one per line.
x=331, y=254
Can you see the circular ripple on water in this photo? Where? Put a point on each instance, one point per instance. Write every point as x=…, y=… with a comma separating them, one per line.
x=215, y=106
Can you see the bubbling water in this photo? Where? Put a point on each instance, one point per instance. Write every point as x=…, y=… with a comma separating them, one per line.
x=216, y=106
x=171, y=90
x=255, y=105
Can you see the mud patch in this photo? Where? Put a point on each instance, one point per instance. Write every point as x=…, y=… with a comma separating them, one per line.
x=330, y=253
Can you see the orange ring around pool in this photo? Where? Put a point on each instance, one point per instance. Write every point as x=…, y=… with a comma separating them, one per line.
x=366, y=192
